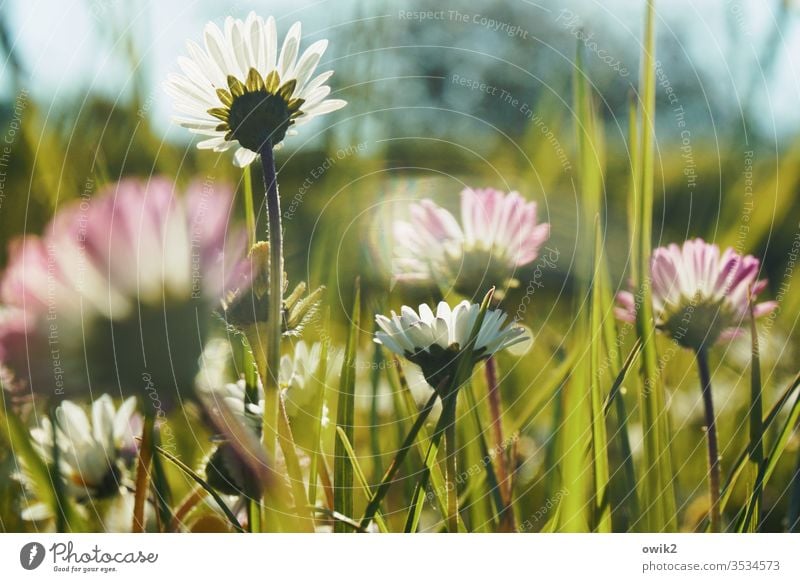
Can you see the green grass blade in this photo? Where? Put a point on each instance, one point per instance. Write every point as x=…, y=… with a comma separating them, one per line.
x=614, y=392
x=161, y=488
x=794, y=500
x=739, y=465
x=658, y=503
x=360, y=476
x=410, y=409
x=293, y=469
x=345, y=418
x=388, y=477
x=755, y=456
x=319, y=385
x=628, y=510
x=24, y=453
x=143, y=474
x=45, y=481
x=577, y=427
x=779, y=446
x=492, y=482
x=543, y=394
x=417, y=499
x=602, y=506
x=202, y=482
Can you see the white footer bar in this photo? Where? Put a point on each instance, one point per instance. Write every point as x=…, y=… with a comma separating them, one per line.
x=390, y=558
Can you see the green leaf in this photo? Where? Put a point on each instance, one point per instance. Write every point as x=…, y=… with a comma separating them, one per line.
x=388, y=477
x=543, y=394
x=755, y=456
x=418, y=498
x=142, y=487
x=43, y=479
x=359, y=474
x=738, y=466
x=319, y=385
x=345, y=413
x=202, y=482
x=658, y=496
x=409, y=409
x=602, y=505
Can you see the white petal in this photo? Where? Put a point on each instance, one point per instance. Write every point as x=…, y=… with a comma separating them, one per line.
x=307, y=63
x=288, y=56
x=318, y=81
x=244, y=157
x=270, y=45
x=210, y=144
x=326, y=107
x=215, y=45
x=103, y=421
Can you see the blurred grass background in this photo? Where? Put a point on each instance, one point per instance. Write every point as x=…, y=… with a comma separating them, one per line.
x=727, y=168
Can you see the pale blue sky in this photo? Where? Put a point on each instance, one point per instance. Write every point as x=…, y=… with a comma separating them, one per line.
x=69, y=48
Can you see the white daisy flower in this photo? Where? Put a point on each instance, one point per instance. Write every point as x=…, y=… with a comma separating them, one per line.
x=94, y=455
x=297, y=377
x=241, y=93
x=434, y=341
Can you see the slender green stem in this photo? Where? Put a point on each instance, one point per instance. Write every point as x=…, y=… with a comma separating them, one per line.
x=713, y=447
x=275, y=316
x=249, y=207
x=388, y=478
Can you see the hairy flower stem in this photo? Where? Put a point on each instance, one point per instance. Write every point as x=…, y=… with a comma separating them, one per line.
x=495, y=410
x=275, y=316
x=713, y=447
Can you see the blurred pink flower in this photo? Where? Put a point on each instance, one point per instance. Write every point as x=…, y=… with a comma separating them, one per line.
x=699, y=295
x=117, y=285
x=498, y=234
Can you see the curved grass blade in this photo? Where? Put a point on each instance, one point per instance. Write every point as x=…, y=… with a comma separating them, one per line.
x=337, y=517
x=293, y=469
x=360, y=477
x=388, y=477
x=418, y=497
x=345, y=418
x=200, y=481
x=410, y=408
x=544, y=394
x=602, y=506
x=755, y=455
x=143, y=474
x=769, y=420
x=658, y=495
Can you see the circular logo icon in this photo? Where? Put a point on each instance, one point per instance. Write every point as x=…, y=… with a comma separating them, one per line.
x=31, y=555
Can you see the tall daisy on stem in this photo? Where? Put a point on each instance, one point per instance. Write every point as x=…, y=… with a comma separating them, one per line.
x=702, y=296
x=446, y=345
x=243, y=94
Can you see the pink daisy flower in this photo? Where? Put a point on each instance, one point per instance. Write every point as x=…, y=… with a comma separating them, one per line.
x=117, y=289
x=700, y=295
x=498, y=234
